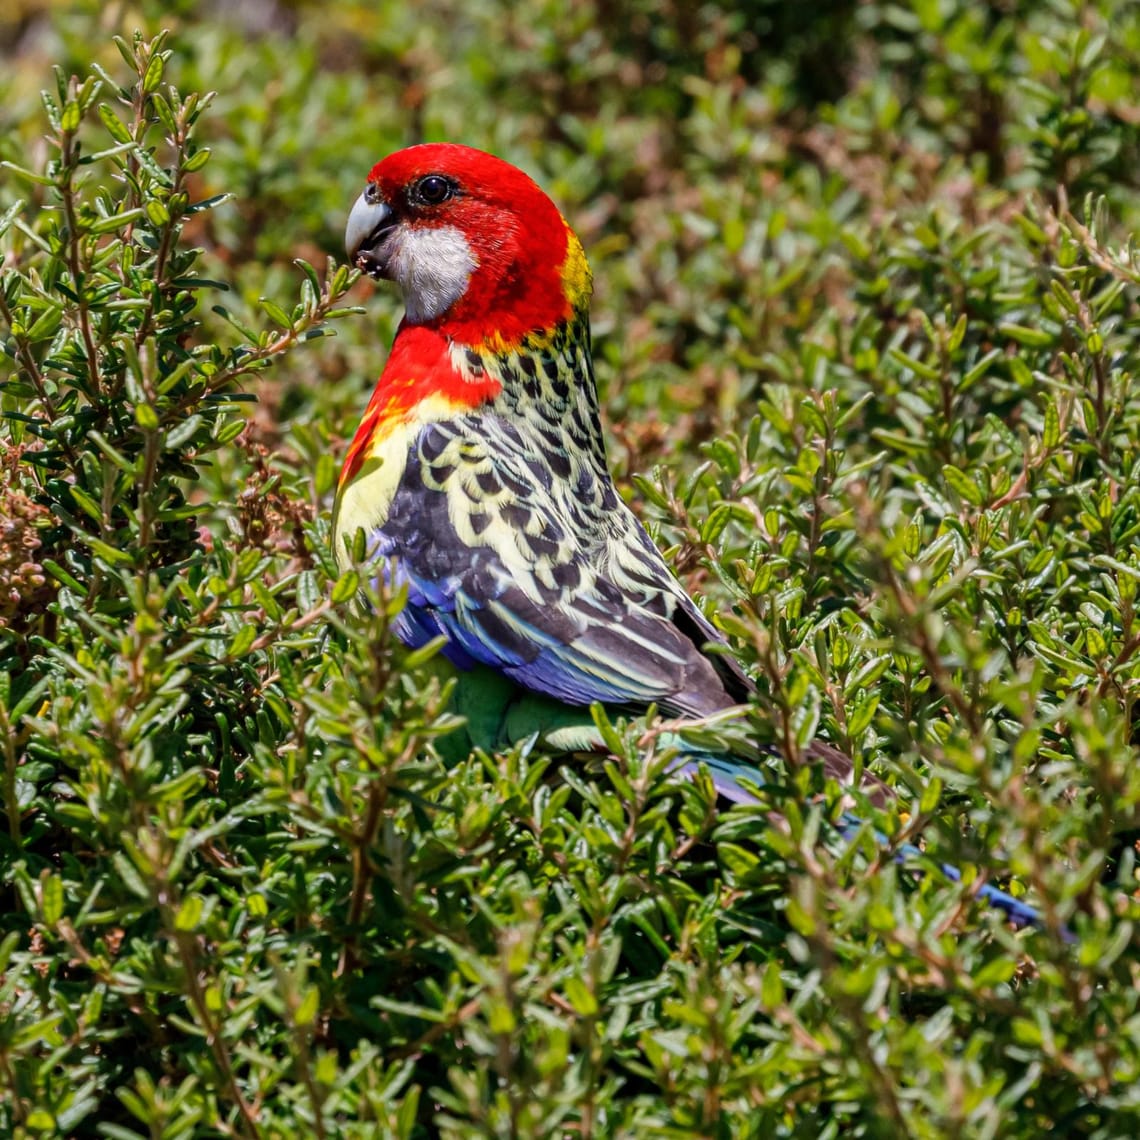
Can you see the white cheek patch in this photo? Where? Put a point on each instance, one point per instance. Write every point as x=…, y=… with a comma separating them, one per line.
x=432, y=265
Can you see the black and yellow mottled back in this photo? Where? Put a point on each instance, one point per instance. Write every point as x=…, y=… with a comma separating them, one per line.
x=516, y=547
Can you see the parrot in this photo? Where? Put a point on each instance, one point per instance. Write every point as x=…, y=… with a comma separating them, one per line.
x=480, y=480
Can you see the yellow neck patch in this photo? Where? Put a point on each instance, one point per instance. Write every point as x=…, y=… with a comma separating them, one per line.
x=577, y=280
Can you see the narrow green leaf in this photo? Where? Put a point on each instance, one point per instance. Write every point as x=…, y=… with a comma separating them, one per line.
x=345, y=587
x=276, y=313
x=931, y=796
x=189, y=913
x=116, y=128
x=197, y=160
x=962, y=485
x=242, y=641
x=580, y=997
x=152, y=77
x=1031, y=338
x=1051, y=436
x=308, y=1007
x=51, y=899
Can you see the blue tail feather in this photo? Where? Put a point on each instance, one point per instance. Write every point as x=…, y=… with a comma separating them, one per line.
x=727, y=773
x=1018, y=912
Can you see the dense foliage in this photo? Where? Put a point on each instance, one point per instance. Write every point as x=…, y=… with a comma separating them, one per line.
x=867, y=328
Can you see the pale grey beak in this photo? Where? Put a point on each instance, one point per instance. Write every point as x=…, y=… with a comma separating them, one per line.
x=368, y=223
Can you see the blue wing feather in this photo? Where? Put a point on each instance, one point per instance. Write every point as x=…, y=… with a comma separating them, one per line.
x=548, y=595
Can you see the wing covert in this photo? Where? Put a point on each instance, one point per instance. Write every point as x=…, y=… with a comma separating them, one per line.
x=552, y=581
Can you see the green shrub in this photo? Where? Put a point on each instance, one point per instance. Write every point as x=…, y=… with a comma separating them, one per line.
x=866, y=329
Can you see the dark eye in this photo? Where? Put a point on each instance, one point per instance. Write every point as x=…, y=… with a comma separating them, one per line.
x=433, y=189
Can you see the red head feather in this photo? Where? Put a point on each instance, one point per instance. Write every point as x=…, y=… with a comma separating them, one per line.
x=485, y=262
x=529, y=272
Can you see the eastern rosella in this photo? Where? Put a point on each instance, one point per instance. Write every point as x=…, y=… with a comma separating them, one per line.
x=479, y=475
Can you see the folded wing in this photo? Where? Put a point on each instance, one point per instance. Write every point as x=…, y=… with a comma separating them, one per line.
x=551, y=580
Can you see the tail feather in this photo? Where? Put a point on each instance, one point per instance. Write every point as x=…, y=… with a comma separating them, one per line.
x=1018, y=912
x=731, y=776
x=498, y=716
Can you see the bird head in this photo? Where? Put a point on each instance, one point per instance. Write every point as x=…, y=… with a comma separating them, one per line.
x=479, y=251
